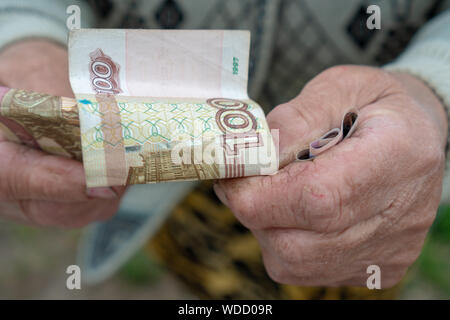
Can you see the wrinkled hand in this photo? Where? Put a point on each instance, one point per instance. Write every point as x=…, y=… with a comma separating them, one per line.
x=369, y=200
x=36, y=187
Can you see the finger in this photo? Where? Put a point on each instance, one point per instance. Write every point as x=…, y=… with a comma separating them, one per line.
x=298, y=257
x=31, y=174
x=67, y=215
x=328, y=194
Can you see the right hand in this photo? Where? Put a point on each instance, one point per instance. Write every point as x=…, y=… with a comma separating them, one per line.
x=35, y=187
x=368, y=201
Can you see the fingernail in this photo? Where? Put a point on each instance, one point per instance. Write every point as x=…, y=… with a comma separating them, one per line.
x=101, y=193
x=220, y=194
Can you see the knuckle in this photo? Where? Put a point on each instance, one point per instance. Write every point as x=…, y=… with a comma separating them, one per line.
x=435, y=158
x=7, y=187
x=285, y=248
x=350, y=72
x=244, y=209
x=35, y=182
x=9, y=183
x=423, y=146
x=297, y=260
x=405, y=258
x=278, y=112
x=276, y=273
x=321, y=206
x=253, y=203
x=19, y=184
x=303, y=263
x=424, y=222
x=338, y=70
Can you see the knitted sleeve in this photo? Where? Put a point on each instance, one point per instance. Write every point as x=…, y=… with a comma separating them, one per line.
x=21, y=19
x=428, y=58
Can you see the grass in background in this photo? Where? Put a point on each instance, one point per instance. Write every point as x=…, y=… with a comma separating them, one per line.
x=434, y=263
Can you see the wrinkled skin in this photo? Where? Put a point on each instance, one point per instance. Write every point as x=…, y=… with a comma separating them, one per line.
x=37, y=188
x=369, y=200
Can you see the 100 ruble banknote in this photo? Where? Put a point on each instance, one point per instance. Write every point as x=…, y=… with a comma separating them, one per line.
x=167, y=105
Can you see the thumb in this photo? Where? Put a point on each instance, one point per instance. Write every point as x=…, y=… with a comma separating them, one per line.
x=321, y=106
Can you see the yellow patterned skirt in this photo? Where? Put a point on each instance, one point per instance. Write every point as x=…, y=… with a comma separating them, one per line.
x=218, y=258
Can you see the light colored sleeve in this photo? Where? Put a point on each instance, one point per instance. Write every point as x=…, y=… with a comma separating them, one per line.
x=21, y=19
x=428, y=58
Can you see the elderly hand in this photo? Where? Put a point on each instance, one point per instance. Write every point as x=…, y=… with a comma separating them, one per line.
x=35, y=187
x=368, y=201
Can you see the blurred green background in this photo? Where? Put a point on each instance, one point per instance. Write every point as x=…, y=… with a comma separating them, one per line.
x=429, y=277
x=33, y=263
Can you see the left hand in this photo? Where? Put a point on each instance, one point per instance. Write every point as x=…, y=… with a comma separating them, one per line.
x=370, y=200
x=35, y=187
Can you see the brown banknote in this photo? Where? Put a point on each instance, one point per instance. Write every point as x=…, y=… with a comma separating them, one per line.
x=41, y=121
x=164, y=105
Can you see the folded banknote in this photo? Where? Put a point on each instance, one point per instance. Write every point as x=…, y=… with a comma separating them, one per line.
x=331, y=138
x=41, y=121
x=162, y=105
